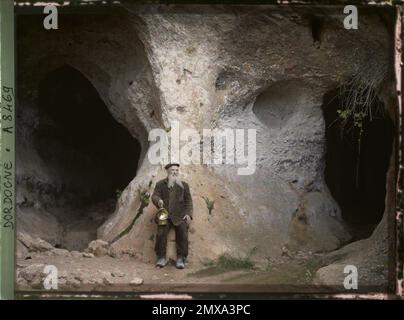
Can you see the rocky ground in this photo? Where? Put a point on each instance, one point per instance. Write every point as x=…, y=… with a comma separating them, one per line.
x=95, y=270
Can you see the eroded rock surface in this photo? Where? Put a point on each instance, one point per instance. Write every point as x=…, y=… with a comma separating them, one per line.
x=206, y=67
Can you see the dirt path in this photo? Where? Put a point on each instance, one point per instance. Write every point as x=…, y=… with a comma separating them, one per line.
x=105, y=273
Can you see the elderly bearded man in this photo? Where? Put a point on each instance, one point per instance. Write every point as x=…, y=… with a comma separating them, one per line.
x=174, y=195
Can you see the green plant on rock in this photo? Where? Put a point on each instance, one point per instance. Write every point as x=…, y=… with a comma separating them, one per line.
x=226, y=262
x=210, y=204
x=312, y=266
x=118, y=194
x=359, y=101
x=229, y=263
x=144, y=198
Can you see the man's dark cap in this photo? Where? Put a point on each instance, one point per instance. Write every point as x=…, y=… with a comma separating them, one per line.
x=171, y=164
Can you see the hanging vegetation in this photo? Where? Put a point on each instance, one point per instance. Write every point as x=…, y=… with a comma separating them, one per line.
x=360, y=101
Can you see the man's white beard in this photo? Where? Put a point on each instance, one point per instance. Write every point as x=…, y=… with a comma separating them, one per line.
x=172, y=179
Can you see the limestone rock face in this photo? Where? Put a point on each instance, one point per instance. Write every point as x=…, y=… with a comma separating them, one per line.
x=61, y=252
x=136, y=282
x=34, y=245
x=369, y=257
x=215, y=68
x=98, y=247
x=33, y=275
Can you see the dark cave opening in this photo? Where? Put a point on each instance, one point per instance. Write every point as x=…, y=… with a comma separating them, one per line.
x=91, y=156
x=356, y=171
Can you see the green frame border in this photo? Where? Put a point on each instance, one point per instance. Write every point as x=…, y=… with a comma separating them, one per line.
x=7, y=148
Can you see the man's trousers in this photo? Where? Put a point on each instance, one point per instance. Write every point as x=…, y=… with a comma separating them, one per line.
x=181, y=239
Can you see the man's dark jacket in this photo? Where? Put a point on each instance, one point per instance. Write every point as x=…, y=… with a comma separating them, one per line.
x=181, y=204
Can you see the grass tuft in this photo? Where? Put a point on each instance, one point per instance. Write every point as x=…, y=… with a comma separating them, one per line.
x=228, y=263
x=225, y=263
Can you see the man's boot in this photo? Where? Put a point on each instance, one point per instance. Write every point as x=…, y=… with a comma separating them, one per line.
x=180, y=263
x=162, y=262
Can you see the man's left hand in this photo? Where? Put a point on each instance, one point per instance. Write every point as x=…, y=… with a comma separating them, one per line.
x=187, y=219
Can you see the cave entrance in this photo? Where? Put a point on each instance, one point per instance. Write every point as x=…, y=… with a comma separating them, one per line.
x=356, y=165
x=91, y=157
